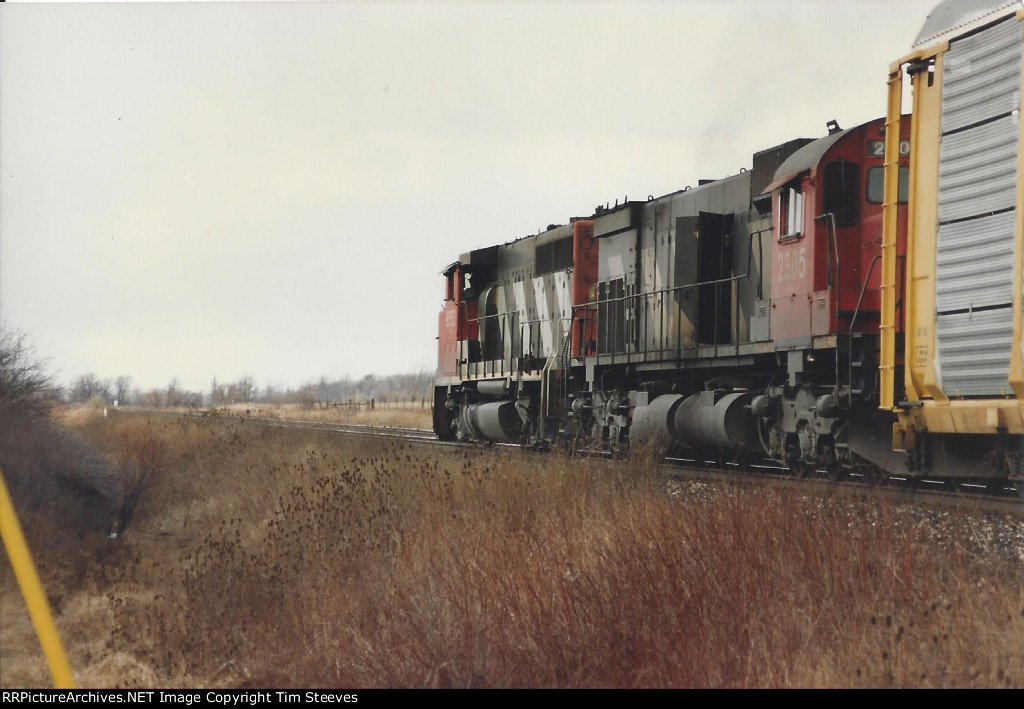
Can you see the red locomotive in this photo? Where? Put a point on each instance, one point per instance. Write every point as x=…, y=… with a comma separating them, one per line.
x=762, y=314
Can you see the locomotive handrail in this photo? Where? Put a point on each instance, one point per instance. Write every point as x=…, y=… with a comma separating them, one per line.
x=833, y=248
x=863, y=289
x=671, y=289
x=477, y=320
x=493, y=315
x=760, y=252
x=632, y=303
x=680, y=288
x=526, y=334
x=526, y=330
x=539, y=321
x=853, y=320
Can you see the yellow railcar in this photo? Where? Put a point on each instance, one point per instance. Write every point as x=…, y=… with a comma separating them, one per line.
x=952, y=359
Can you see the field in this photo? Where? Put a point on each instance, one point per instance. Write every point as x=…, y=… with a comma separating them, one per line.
x=256, y=557
x=398, y=415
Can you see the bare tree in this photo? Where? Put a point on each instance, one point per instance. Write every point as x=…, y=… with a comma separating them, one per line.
x=53, y=476
x=323, y=390
x=151, y=399
x=122, y=390
x=216, y=393
x=140, y=459
x=89, y=385
x=24, y=383
x=246, y=389
x=173, y=398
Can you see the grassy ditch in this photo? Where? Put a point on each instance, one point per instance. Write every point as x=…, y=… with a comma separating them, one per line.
x=258, y=557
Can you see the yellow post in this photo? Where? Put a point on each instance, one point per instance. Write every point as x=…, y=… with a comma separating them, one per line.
x=887, y=326
x=32, y=590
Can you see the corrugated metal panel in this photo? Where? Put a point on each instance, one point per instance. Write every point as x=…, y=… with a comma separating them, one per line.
x=981, y=76
x=978, y=170
x=974, y=264
x=973, y=355
x=954, y=14
x=978, y=186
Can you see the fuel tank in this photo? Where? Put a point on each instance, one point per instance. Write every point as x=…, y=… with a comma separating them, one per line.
x=496, y=421
x=706, y=420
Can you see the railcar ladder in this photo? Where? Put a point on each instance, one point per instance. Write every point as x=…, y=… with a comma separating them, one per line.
x=887, y=325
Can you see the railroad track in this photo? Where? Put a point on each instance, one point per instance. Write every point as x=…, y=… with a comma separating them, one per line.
x=352, y=429
x=939, y=492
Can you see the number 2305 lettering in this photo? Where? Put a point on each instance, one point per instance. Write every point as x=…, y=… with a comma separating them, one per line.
x=791, y=264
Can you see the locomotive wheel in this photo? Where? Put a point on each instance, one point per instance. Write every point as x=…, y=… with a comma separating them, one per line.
x=870, y=473
x=995, y=486
x=827, y=460
x=801, y=469
x=835, y=471
x=875, y=475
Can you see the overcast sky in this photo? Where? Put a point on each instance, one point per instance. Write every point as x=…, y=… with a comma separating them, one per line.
x=270, y=189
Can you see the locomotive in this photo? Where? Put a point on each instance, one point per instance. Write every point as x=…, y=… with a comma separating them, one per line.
x=850, y=303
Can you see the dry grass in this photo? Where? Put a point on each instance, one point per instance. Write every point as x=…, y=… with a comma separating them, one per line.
x=400, y=415
x=392, y=414
x=279, y=558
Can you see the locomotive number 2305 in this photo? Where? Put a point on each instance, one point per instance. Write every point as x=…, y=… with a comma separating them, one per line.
x=791, y=264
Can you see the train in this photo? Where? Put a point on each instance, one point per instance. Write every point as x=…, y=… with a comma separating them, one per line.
x=847, y=305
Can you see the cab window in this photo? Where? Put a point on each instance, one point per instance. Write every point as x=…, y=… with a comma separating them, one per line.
x=791, y=212
x=842, y=191
x=876, y=184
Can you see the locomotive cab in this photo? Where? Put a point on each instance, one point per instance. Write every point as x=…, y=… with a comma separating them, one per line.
x=458, y=330
x=827, y=207
x=826, y=301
